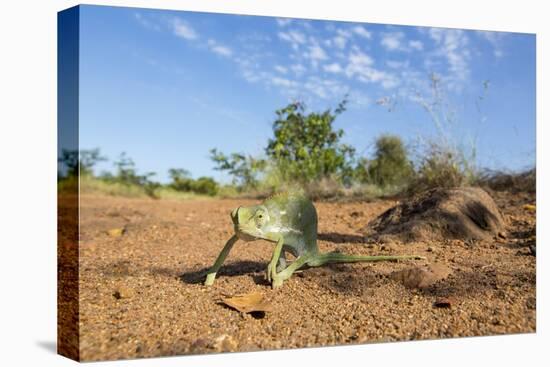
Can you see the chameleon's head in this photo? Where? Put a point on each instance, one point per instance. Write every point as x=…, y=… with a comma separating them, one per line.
x=250, y=222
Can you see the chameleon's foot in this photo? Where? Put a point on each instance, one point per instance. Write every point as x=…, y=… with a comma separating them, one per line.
x=270, y=272
x=210, y=279
x=277, y=282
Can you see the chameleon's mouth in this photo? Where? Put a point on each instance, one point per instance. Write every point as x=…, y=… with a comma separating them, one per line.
x=241, y=231
x=243, y=235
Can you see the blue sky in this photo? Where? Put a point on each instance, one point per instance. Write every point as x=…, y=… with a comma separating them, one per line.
x=167, y=86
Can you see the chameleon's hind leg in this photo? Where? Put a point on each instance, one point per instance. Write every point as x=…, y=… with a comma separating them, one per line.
x=287, y=273
x=211, y=274
x=281, y=263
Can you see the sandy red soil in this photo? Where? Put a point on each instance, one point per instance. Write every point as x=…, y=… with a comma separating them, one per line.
x=141, y=293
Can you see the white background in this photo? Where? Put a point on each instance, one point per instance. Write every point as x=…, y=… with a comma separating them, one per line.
x=28, y=181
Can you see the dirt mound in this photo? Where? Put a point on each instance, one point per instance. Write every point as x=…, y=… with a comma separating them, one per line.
x=461, y=213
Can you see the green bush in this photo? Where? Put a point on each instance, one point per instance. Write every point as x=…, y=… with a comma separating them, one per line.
x=307, y=147
x=182, y=181
x=205, y=185
x=391, y=165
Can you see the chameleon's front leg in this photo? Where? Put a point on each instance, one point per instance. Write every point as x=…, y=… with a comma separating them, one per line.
x=271, y=272
x=287, y=273
x=211, y=274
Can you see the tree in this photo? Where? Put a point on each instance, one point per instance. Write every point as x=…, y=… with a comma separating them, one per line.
x=244, y=169
x=391, y=164
x=306, y=147
x=82, y=161
x=205, y=185
x=181, y=179
x=126, y=174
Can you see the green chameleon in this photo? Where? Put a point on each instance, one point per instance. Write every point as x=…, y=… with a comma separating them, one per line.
x=289, y=220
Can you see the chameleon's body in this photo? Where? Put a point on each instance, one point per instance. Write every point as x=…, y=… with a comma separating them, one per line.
x=290, y=220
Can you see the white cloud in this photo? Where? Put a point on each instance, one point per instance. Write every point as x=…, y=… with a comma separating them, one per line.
x=417, y=45
x=358, y=60
x=396, y=41
x=341, y=39
x=281, y=69
x=316, y=52
x=361, y=67
x=453, y=47
x=343, y=33
x=145, y=22
x=325, y=88
x=283, y=82
x=219, y=49
x=295, y=38
x=361, y=31
x=340, y=42
x=333, y=68
x=397, y=64
x=183, y=29
x=251, y=75
x=392, y=41
x=495, y=39
x=282, y=22
x=298, y=69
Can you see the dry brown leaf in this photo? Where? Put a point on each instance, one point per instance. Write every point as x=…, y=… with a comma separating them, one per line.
x=116, y=232
x=530, y=207
x=251, y=302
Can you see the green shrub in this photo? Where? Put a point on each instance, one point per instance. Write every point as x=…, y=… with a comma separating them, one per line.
x=182, y=181
x=391, y=165
x=307, y=147
x=204, y=185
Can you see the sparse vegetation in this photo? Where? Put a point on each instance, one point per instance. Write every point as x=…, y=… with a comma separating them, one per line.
x=441, y=166
x=525, y=181
x=391, y=165
x=306, y=151
x=244, y=169
x=126, y=181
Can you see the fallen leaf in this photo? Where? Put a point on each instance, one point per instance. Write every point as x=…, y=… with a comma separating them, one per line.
x=530, y=207
x=247, y=303
x=116, y=232
x=421, y=277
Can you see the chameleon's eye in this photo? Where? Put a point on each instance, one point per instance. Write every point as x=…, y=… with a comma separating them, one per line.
x=260, y=216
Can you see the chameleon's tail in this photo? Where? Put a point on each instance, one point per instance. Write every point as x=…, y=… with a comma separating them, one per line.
x=336, y=257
